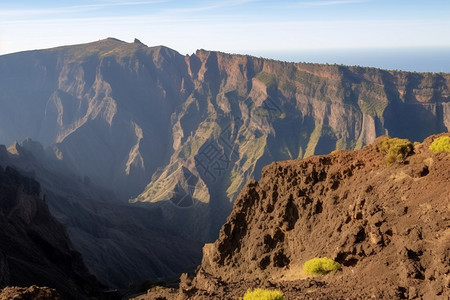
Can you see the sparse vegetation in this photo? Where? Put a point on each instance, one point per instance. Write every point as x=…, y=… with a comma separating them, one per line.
x=261, y=294
x=372, y=107
x=441, y=144
x=143, y=286
x=288, y=87
x=320, y=266
x=268, y=79
x=334, y=151
x=396, y=150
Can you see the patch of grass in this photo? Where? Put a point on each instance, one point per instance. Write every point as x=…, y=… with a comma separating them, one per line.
x=288, y=87
x=320, y=266
x=341, y=144
x=144, y=286
x=372, y=99
x=396, y=150
x=321, y=131
x=372, y=108
x=313, y=140
x=441, y=144
x=261, y=294
x=334, y=151
x=267, y=78
x=357, y=145
x=103, y=48
x=307, y=78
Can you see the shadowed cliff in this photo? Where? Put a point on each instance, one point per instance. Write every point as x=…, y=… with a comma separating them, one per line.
x=35, y=248
x=120, y=243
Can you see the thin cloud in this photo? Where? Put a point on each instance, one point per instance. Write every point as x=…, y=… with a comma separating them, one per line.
x=70, y=12
x=211, y=6
x=73, y=9
x=330, y=3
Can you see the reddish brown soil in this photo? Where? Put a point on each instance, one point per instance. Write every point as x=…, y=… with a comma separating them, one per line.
x=28, y=293
x=388, y=226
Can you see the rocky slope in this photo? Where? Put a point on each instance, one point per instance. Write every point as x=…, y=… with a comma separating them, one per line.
x=120, y=244
x=186, y=132
x=35, y=248
x=29, y=293
x=387, y=225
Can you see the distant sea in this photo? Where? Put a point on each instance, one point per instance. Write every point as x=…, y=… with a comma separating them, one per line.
x=405, y=59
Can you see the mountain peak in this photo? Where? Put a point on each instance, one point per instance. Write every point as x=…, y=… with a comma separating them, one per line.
x=15, y=148
x=113, y=40
x=136, y=41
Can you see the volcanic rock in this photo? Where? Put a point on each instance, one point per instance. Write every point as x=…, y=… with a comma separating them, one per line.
x=387, y=225
x=30, y=293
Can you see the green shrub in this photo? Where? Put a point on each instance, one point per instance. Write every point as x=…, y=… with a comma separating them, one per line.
x=396, y=150
x=441, y=144
x=320, y=266
x=260, y=294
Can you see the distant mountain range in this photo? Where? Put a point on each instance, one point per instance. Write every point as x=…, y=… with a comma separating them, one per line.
x=181, y=135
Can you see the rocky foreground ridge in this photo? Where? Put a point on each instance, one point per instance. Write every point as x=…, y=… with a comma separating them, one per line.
x=387, y=225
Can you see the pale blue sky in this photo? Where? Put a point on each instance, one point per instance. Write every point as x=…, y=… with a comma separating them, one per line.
x=236, y=26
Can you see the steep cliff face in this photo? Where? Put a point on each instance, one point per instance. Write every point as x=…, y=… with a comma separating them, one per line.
x=35, y=248
x=95, y=103
x=386, y=225
x=246, y=112
x=186, y=132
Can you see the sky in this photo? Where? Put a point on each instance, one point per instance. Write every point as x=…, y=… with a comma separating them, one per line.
x=275, y=29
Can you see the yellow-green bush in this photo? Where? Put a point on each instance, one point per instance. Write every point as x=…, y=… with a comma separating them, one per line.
x=335, y=151
x=395, y=149
x=441, y=144
x=320, y=266
x=261, y=294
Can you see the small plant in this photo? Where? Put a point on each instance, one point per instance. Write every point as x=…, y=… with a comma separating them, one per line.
x=335, y=151
x=441, y=144
x=396, y=150
x=261, y=294
x=320, y=266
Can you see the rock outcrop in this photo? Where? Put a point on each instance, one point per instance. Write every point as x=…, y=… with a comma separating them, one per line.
x=29, y=293
x=387, y=225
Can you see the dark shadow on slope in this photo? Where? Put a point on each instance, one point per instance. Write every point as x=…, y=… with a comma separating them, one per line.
x=409, y=118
